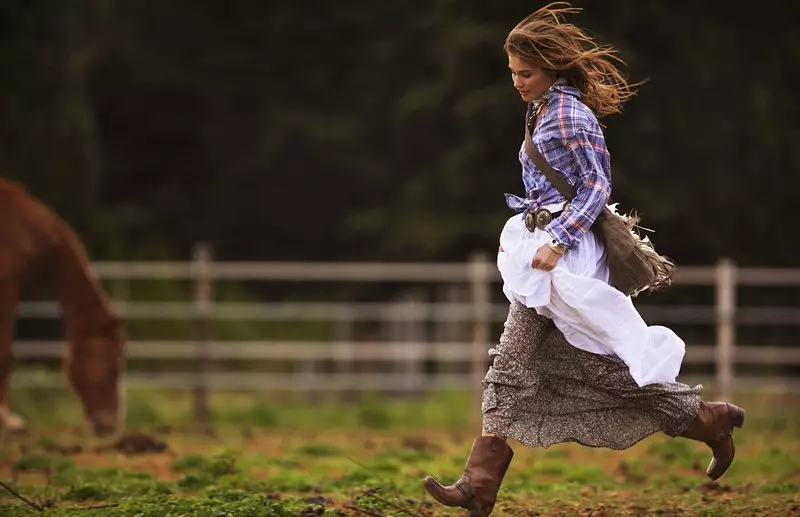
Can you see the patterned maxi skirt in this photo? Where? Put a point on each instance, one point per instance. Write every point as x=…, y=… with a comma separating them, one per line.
x=576, y=362
x=541, y=390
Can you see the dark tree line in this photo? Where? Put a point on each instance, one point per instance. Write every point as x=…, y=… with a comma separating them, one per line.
x=382, y=130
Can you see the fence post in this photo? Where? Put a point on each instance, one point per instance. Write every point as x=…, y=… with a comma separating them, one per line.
x=203, y=256
x=344, y=353
x=725, y=349
x=478, y=272
x=415, y=338
x=406, y=332
x=447, y=328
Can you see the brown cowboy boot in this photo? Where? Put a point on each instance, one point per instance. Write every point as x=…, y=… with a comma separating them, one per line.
x=477, y=488
x=714, y=425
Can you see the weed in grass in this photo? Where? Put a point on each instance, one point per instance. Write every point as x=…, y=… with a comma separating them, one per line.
x=383, y=466
x=226, y=494
x=140, y=413
x=587, y=475
x=374, y=417
x=778, y=423
x=679, y=482
x=258, y=415
x=89, y=492
x=43, y=463
x=208, y=506
x=189, y=463
x=194, y=482
x=549, y=468
x=214, y=466
x=102, y=484
x=264, y=416
x=779, y=464
x=631, y=470
x=673, y=451
x=377, y=501
x=285, y=462
x=294, y=481
x=359, y=478
x=406, y=455
x=556, y=453
x=780, y=488
x=47, y=443
x=711, y=512
x=319, y=449
x=202, y=471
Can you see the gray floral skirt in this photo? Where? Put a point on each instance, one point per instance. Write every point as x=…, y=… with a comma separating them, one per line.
x=541, y=390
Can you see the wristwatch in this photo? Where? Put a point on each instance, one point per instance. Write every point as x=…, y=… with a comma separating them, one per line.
x=558, y=248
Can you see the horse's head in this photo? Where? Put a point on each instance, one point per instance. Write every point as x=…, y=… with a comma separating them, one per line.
x=94, y=367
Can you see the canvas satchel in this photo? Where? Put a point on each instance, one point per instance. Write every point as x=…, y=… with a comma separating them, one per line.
x=633, y=263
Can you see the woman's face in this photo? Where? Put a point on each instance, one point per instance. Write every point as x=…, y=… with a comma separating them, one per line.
x=529, y=80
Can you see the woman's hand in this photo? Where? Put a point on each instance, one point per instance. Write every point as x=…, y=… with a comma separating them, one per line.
x=545, y=258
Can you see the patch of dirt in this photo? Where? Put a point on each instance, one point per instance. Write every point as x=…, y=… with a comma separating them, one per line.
x=318, y=499
x=597, y=511
x=622, y=470
x=713, y=486
x=137, y=443
x=63, y=450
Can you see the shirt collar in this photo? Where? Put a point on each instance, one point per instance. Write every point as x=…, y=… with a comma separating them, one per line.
x=559, y=86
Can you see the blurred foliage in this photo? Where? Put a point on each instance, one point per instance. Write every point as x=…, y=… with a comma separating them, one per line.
x=382, y=131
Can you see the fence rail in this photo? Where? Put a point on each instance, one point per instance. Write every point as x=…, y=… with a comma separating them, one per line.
x=478, y=275
x=393, y=311
x=366, y=351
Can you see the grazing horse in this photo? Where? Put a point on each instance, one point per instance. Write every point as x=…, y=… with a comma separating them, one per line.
x=35, y=241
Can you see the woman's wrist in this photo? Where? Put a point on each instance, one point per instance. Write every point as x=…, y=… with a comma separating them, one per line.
x=560, y=249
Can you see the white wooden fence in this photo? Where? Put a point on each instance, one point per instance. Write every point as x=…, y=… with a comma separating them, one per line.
x=409, y=353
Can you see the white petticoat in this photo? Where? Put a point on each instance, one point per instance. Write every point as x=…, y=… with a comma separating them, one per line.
x=592, y=315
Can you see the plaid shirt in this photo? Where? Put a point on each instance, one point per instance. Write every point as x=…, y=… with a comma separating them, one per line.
x=570, y=139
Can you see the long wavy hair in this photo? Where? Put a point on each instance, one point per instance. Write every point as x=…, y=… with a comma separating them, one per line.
x=544, y=39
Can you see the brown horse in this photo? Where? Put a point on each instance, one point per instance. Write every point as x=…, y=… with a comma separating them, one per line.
x=34, y=240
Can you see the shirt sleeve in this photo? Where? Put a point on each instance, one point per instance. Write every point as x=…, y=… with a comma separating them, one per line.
x=591, y=159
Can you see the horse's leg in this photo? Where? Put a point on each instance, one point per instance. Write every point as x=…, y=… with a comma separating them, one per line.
x=9, y=298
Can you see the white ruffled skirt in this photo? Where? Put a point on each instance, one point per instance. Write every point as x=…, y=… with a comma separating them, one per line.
x=592, y=315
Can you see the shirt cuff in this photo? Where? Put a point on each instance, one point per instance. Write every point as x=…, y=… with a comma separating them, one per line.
x=559, y=234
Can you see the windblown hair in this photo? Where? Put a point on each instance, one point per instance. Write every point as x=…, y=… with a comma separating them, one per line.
x=544, y=39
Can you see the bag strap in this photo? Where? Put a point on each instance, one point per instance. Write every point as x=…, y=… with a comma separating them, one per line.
x=555, y=179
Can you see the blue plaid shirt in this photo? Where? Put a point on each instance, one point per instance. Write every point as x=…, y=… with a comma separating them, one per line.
x=570, y=139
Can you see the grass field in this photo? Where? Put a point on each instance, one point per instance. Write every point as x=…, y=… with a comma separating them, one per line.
x=291, y=458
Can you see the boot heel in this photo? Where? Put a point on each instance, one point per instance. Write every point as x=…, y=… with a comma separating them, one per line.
x=477, y=513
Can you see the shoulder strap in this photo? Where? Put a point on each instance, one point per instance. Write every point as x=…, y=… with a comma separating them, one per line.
x=555, y=179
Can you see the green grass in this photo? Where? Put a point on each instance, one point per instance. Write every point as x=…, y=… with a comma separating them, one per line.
x=368, y=458
x=145, y=409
